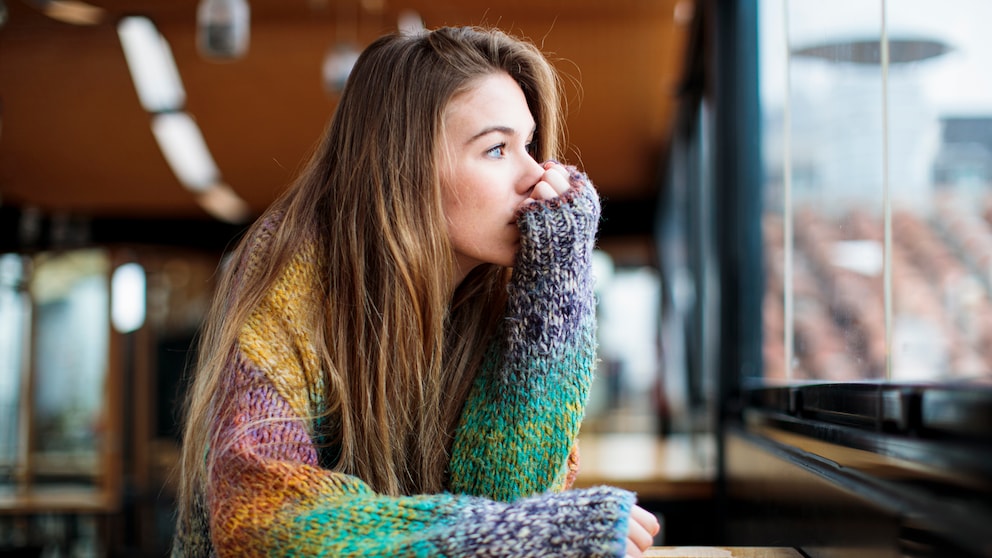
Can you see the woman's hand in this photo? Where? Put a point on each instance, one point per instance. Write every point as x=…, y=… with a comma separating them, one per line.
x=641, y=529
x=553, y=183
x=558, y=220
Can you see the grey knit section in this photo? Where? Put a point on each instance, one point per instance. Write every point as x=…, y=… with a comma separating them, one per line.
x=588, y=523
x=551, y=291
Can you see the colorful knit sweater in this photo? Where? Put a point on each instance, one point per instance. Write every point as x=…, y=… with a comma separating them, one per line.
x=268, y=495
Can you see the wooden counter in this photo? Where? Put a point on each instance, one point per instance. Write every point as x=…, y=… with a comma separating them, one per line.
x=57, y=499
x=720, y=552
x=676, y=467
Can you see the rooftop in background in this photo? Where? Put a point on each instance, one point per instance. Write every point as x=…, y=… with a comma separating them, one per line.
x=868, y=51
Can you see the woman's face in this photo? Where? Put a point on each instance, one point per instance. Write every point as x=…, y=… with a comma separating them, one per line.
x=489, y=171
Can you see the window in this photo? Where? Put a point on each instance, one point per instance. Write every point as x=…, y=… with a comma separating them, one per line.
x=877, y=157
x=14, y=319
x=827, y=192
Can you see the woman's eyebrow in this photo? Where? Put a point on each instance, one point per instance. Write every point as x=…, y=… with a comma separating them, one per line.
x=505, y=130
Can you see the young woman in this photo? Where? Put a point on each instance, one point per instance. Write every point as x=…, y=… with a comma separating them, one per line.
x=399, y=355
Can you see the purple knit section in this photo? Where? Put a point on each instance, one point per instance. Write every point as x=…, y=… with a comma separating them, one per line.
x=284, y=436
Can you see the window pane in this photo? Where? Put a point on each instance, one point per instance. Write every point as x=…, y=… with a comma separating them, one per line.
x=15, y=308
x=869, y=122
x=940, y=135
x=72, y=324
x=821, y=99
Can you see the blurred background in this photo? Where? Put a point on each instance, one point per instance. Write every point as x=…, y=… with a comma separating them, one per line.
x=793, y=270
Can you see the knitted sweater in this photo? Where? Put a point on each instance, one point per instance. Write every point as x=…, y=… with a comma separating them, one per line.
x=268, y=495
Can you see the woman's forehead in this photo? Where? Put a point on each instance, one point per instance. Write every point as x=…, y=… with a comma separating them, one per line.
x=492, y=102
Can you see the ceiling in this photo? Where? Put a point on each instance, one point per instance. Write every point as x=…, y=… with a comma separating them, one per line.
x=75, y=140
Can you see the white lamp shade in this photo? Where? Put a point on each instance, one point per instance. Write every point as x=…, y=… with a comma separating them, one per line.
x=127, y=297
x=223, y=28
x=185, y=150
x=152, y=67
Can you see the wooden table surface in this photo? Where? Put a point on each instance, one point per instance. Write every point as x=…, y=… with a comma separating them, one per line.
x=720, y=552
x=671, y=467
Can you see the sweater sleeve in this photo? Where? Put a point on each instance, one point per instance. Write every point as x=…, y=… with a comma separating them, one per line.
x=269, y=497
x=523, y=414
x=267, y=494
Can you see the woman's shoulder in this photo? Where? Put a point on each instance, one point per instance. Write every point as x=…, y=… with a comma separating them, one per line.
x=270, y=246
x=278, y=336
x=256, y=246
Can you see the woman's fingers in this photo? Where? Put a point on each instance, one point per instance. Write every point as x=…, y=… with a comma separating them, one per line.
x=641, y=529
x=543, y=191
x=646, y=519
x=556, y=175
x=553, y=183
x=638, y=538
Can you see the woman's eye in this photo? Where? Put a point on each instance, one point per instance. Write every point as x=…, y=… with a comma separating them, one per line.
x=497, y=151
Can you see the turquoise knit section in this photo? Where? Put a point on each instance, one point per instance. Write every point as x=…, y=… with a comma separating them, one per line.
x=515, y=434
x=368, y=526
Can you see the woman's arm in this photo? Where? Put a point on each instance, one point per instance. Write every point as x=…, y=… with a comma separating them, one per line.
x=523, y=414
x=267, y=496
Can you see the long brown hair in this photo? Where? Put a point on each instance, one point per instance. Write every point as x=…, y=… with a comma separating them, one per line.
x=398, y=350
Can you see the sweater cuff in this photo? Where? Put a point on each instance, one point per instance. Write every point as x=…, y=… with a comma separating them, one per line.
x=578, y=523
x=554, y=231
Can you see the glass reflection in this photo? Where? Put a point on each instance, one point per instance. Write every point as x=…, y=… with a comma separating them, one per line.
x=878, y=159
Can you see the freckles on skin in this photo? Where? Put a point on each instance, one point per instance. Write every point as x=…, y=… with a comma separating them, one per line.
x=459, y=202
x=473, y=233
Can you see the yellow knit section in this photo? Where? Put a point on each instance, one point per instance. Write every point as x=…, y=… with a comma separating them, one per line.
x=276, y=339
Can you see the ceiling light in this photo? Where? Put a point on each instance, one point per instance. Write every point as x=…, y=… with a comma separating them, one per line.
x=684, y=11
x=184, y=149
x=373, y=6
x=223, y=28
x=127, y=297
x=340, y=58
x=153, y=70
x=76, y=13
x=410, y=23
x=220, y=201
x=338, y=63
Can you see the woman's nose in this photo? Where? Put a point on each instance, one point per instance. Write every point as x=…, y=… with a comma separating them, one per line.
x=532, y=173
